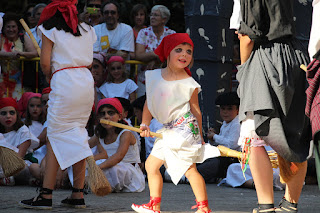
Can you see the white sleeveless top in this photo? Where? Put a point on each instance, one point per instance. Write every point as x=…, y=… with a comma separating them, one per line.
x=168, y=100
x=132, y=156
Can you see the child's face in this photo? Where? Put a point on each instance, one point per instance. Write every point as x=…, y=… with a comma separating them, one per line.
x=8, y=117
x=109, y=114
x=116, y=70
x=180, y=56
x=228, y=112
x=97, y=71
x=44, y=102
x=34, y=108
x=140, y=18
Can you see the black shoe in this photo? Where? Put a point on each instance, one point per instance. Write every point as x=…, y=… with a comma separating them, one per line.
x=38, y=202
x=74, y=203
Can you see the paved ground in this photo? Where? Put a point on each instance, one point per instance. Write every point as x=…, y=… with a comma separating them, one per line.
x=175, y=199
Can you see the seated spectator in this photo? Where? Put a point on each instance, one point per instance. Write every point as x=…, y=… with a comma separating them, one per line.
x=118, y=84
x=119, y=159
x=12, y=46
x=91, y=13
x=230, y=129
x=236, y=177
x=17, y=137
x=148, y=40
x=113, y=37
x=99, y=73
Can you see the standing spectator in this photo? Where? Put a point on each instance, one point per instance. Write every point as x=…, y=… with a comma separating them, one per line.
x=91, y=13
x=148, y=40
x=113, y=37
x=13, y=45
x=29, y=19
x=36, y=12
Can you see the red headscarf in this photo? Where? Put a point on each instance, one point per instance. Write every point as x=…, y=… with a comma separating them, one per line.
x=113, y=102
x=46, y=90
x=115, y=58
x=23, y=102
x=68, y=10
x=5, y=102
x=169, y=42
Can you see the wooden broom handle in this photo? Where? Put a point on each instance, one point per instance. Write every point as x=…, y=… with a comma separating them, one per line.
x=123, y=126
x=27, y=29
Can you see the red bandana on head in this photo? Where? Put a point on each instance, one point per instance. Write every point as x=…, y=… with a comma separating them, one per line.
x=4, y=102
x=68, y=10
x=169, y=42
x=111, y=101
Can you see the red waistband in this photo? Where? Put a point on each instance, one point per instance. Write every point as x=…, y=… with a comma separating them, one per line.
x=65, y=69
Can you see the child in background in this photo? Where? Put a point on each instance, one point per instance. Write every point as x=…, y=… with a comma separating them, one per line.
x=98, y=70
x=16, y=134
x=35, y=117
x=120, y=157
x=118, y=85
x=172, y=98
x=230, y=129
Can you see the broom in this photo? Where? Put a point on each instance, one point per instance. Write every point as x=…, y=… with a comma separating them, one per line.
x=224, y=151
x=97, y=181
x=10, y=162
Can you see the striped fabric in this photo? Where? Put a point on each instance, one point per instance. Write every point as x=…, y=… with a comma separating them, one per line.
x=313, y=95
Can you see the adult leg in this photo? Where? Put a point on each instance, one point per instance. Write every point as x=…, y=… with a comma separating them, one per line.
x=262, y=174
x=79, y=170
x=198, y=187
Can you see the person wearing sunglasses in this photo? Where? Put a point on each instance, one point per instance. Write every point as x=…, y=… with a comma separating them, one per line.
x=91, y=13
x=113, y=37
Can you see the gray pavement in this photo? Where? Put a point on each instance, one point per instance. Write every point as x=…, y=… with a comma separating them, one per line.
x=175, y=199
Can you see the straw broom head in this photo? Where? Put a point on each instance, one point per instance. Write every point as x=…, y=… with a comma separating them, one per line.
x=98, y=182
x=10, y=162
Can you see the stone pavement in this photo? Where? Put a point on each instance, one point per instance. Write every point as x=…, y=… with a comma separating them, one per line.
x=175, y=199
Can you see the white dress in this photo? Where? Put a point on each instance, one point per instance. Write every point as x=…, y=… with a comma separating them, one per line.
x=126, y=176
x=42, y=151
x=123, y=90
x=168, y=102
x=72, y=96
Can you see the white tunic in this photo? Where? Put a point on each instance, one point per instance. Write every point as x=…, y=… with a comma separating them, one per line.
x=126, y=176
x=36, y=128
x=168, y=100
x=72, y=96
x=123, y=90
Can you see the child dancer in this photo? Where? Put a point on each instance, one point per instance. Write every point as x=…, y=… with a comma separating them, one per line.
x=172, y=98
x=16, y=134
x=67, y=51
x=118, y=85
x=272, y=100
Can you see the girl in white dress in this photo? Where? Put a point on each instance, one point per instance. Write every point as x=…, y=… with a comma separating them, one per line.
x=118, y=84
x=119, y=155
x=172, y=98
x=67, y=52
x=17, y=136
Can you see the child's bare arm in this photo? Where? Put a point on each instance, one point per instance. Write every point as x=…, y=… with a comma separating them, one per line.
x=246, y=46
x=102, y=153
x=93, y=141
x=146, y=118
x=195, y=110
x=23, y=148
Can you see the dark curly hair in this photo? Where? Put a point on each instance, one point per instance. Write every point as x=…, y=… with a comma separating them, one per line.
x=11, y=17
